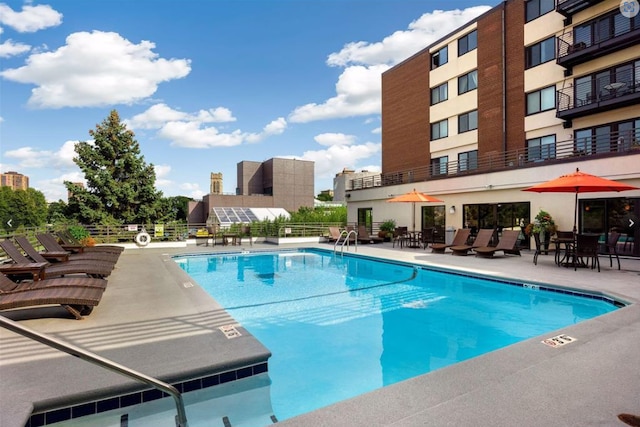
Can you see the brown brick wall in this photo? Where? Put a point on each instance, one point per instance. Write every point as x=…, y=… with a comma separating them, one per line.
x=490, y=79
x=405, y=114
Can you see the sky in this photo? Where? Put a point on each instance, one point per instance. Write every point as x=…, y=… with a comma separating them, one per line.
x=206, y=84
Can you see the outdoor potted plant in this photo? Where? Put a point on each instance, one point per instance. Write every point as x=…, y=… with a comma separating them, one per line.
x=386, y=229
x=546, y=227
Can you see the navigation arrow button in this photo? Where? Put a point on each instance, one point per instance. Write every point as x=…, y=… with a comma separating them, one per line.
x=9, y=222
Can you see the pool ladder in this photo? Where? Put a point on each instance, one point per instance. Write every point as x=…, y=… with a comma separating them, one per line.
x=345, y=241
x=181, y=417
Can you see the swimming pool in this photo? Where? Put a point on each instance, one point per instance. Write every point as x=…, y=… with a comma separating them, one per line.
x=340, y=326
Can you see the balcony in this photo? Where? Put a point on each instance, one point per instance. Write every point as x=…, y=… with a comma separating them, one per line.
x=571, y=150
x=568, y=8
x=571, y=53
x=597, y=95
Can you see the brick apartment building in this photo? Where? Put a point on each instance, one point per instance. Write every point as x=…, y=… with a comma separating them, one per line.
x=15, y=180
x=526, y=92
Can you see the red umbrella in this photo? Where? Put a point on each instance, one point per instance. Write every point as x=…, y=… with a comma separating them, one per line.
x=579, y=182
x=414, y=197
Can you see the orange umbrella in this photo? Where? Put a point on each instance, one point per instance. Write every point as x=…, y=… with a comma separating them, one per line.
x=414, y=197
x=579, y=182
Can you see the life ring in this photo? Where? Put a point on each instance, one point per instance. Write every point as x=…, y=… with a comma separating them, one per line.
x=143, y=238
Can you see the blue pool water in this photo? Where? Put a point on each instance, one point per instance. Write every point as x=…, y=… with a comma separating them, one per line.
x=339, y=326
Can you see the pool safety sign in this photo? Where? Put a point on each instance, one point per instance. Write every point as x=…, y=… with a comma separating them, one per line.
x=230, y=331
x=558, y=340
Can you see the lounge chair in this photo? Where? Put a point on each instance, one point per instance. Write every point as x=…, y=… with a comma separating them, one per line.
x=459, y=239
x=365, y=237
x=69, y=243
x=508, y=244
x=483, y=238
x=77, y=300
x=337, y=235
x=8, y=285
x=92, y=269
x=50, y=243
x=58, y=257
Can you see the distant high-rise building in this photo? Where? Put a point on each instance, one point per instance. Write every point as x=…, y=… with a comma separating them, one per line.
x=15, y=180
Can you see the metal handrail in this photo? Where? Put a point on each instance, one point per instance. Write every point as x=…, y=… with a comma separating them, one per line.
x=346, y=240
x=181, y=417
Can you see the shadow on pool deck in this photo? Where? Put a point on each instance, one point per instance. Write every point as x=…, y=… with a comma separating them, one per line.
x=151, y=319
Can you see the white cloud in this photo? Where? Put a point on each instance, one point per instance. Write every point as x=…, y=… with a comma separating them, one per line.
x=330, y=139
x=189, y=130
x=96, y=69
x=28, y=157
x=159, y=114
x=10, y=48
x=162, y=170
x=31, y=19
x=192, y=190
x=54, y=189
x=358, y=89
x=337, y=157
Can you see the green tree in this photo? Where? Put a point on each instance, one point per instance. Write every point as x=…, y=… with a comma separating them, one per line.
x=174, y=209
x=120, y=185
x=27, y=208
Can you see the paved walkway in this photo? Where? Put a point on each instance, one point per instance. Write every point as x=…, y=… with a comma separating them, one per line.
x=152, y=319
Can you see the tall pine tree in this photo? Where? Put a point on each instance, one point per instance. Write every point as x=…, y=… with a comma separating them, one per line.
x=120, y=185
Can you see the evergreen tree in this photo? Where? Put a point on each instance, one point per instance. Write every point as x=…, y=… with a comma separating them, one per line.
x=120, y=185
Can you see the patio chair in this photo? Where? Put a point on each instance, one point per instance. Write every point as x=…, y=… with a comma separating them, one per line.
x=8, y=285
x=428, y=236
x=508, y=244
x=611, y=247
x=459, y=239
x=337, y=235
x=57, y=257
x=586, y=250
x=69, y=243
x=400, y=235
x=50, y=243
x=77, y=300
x=365, y=237
x=245, y=231
x=92, y=269
x=483, y=238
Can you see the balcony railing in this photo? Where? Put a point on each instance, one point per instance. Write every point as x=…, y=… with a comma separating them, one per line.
x=572, y=51
x=571, y=7
x=598, y=94
x=562, y=151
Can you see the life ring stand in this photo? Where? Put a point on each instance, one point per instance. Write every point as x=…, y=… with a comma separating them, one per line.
x=143, y=238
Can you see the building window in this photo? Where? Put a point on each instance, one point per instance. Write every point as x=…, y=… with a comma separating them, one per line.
x=541, y=52
x=439, y=58
x=439, y=165
x=439, y=129
x=467, y=43
x=468, y=161
x=468, y=82
x=439, y=93
x=542, y=148
x=468, y=121
x=536, y=8
x=541, y=100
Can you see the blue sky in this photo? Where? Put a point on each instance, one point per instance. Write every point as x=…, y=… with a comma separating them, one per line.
x=206, y=84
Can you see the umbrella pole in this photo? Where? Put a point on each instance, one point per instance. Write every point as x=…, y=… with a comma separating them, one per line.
x=575, y=215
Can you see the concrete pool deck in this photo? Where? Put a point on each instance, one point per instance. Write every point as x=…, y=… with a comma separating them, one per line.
x=153, y=320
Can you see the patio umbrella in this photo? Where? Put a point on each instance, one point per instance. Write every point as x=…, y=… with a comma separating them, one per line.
x=414, y=197
x=579, y=182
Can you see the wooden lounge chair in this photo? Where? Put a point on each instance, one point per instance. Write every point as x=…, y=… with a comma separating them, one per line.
x=92, y=269
x=365, y=237
x=57, y=257
x=77, y=300
x=483, y=238
x=69, y=243
x=508, y=244
x=8, y=285
x=50, y=243
x=337, y=235
x=460, y=238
